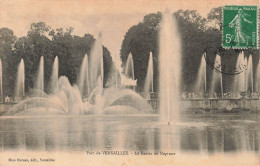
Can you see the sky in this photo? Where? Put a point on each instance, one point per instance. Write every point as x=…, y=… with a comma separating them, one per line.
x=110, y=17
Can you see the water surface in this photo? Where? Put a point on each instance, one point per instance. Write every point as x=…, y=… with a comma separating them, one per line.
x=193, y=133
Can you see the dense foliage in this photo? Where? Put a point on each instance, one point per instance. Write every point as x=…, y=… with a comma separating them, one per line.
x=198, y=35
x=41, y=40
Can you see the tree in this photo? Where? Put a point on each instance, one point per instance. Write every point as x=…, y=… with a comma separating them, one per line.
x=7, y=39
x=31, y=49
x=140, y=40
x=39, y=28
x=214, y=18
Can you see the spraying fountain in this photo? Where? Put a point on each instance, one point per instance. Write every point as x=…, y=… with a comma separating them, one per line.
x=148, y=85
x=54, y=76
x=239, y=82
x=129, y=72
x=96, y=64
x=246, y=75
x=217, y=76
x=169, y=68
x=39, y=86
x=20, y=84
x=250, y=74
x=201, y=82
x=66, y=99
x=83, y=81
x=129, y=69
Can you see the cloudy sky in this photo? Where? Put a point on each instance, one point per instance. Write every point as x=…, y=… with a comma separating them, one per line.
x=111, y=17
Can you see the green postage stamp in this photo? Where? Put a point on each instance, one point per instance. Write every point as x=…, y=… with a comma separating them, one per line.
x=240, y=27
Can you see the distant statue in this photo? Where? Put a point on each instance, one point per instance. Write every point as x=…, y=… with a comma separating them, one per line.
x=237, y=22
x=7, y=99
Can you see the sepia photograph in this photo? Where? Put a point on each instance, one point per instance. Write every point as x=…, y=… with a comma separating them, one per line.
x=129, y=83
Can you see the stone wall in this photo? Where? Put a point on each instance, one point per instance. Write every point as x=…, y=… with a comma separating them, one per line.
x=220, y=104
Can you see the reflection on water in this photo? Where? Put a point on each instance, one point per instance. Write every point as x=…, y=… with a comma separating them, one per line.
x=205, y=134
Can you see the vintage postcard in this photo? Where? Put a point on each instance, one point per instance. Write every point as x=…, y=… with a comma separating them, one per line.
x=129, y=83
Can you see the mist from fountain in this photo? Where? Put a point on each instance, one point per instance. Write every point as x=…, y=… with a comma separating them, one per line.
x=246, y=73
x=99, y=100
x=123, y=99
x=83, y=81
x=54, y=76
x=20, y=83
x=169, y=68
x=96, y=69
x=258, y=77
x=67, y=99
x=250, y=82
x=129, y=70
x=40, y=77
x=242, y=78
x=239, y=79
x=217, y=76
x=201, y=82
x=148, y=85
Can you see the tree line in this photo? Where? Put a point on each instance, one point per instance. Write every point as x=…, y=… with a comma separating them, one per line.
x=198, y=35
x=42, y=40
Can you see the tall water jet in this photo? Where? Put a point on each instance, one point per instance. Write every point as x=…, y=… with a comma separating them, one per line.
x=96, y=63
x=20, y=83
x=258, y=77
x=250, y=82
x=148, y=85
x=129, y=69
x=40, y=78
x=201, y=82
x=239, y=84
x=246, y=75
x=221, y=79
x=83, y=81
x=169, y=66
x=217, y=76
x=54, y=76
